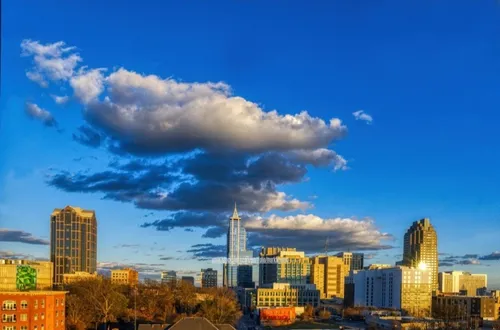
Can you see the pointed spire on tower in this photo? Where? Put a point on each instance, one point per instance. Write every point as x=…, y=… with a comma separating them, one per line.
x=235, y=212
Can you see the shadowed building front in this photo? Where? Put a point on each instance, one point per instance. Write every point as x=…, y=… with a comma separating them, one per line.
x=73, y=241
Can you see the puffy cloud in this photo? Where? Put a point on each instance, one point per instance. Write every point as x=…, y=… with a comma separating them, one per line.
x=60, y=99
x=362, y=115
x=310, y=232
x=88, y=85
x=12, y=235
x=320, y=157
x=35, y=112
x=147, y=114
x=53, y=62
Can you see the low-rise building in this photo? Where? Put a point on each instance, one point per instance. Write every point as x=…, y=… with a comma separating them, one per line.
x=126, y=276
x=287, y=295
x=188, y=280
x=78, y=276
x=25, y=275
x=401, y=288
x=168, y=276
x=461, y=282
x=40, y=310
x=463, y=308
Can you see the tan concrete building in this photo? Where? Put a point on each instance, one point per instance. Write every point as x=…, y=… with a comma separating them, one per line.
x=327, y=272
x=73, y=241
x=78, y=276
x=352, y=261
x=461, y=282
x=421, y=249
x=285, y=295
x=125, y=276
x=464, y=307
x=289, y=266
x=25, y=275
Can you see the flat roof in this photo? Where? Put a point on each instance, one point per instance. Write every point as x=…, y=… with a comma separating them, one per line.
x=35, y=293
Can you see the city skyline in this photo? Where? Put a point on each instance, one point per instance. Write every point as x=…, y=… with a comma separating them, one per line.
x=377, y=149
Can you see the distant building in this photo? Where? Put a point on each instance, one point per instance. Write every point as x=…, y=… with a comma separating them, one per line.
x=421, y=249
x=188, y=279
x=401, y=288
x=238, y=273
x=73, y=241
x=41, y=310
x=284, y=266
x=286, y=295
x=126, y=276
x=78, y=276
x=168, y=276
x=349, y=289
x=352, y=261
x=25, y=275
x=464, y=308
x=462, y=282
x=208, y=278
x=327, y=272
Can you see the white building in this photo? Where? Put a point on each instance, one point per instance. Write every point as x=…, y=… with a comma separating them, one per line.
x=401, y=288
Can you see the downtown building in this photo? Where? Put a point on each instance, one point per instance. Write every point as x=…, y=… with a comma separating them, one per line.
x=25, y=275
x=328, y=274
x=73, y=242
x=188, y=280
x=126, y=276
x=352, y=261
x=399, y=287
x=238, y=271
x=208, y=278
x=463, y=283
x=285, y=265
x=169, y=276
x=421, y=249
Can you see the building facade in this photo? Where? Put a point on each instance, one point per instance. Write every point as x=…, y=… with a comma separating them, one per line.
x=401, y=288
x=464, y=308
x=462, y=282
x=73, y=242
x=25, y=275
x=284, y=265
x=421, y=248
x=208, y=278
x=168, y=276
x=286, y=295
x=352, y=261
x=188, y=279
x=238, y=272
x=78, y=276
x=126, y=276
x=328, y=274
x=33, y=310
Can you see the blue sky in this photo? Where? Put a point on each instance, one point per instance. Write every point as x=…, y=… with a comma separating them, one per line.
x=425, y=71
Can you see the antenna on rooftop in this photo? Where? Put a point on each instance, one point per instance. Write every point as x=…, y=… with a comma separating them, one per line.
x=326, y=246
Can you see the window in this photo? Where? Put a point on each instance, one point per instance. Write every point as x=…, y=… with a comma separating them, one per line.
x=24, y=304
x=36, y=303
x=24, y=317
x=57, y=302
x=43, y=303
x=57, y=323
x=9, y=318
x=42, y=327
x=62, y=302
x=24, y=327
x=9, y=305
x=35, y=317
x=42, y=316
x=57, y=313
x=9, y=327
x=35, y=327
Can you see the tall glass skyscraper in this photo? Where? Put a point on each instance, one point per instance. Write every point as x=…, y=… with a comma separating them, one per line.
x=73, y=241
x=237, y=273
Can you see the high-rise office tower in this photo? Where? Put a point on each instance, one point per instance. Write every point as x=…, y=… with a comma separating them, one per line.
x=73, y=241
x=420, y=249
x=291, y=266
x=327, y=272
x=352, y=261
x=238, y=273
x=208, y=278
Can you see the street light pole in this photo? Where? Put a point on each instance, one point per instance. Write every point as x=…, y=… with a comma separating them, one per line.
x=135, y=308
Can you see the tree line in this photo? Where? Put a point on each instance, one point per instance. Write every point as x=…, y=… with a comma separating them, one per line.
x=92, y=302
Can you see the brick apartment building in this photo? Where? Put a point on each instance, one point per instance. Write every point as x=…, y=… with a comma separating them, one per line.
x=33, y=310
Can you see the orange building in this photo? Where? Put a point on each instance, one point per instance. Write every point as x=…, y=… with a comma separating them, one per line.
x=33, y=310
x=277, y=316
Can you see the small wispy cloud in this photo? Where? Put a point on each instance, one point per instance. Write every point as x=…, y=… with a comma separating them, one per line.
x=362, y=115
x=37, y=113
x=60, y=99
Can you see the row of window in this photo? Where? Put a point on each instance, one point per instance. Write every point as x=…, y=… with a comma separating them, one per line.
x=11, y=305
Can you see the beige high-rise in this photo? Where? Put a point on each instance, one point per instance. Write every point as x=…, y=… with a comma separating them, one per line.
x=421, y=249
x=327, y=272
x=73, y=241
x=456, y=282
